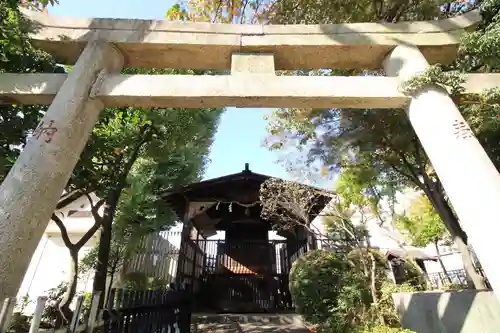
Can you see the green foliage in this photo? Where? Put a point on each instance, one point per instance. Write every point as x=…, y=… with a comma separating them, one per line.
x=451, y=81
x=20, y=322
x=136, y=281
x=158, y=283
x=479, y=49
x=86, y=304
x=422, y=225
x=327, y=291
x=383, y=141
x=141, y=152
x=308, y=11
x=332, y=292
x=140, y=281
x=133, y=155
x=386, y=304
x=385, y=329
x=51, y=316
x=453, y=287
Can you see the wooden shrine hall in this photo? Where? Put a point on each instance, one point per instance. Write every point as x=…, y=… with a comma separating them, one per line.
x=229, y=256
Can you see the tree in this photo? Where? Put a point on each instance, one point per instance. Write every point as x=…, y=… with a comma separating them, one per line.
x=135, y=218
x=382, y=140
x=292, y=204
x=132, y=155
x=423, y=226
x=310, y=12
x=398, y=156
x=175, y=146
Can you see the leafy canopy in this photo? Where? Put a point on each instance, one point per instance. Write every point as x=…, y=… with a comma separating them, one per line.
x=422, y=225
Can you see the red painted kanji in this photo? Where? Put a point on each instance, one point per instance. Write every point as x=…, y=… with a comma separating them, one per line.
x=462, y=130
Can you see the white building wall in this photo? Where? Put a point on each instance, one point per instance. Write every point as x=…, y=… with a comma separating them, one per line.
x=50, y=264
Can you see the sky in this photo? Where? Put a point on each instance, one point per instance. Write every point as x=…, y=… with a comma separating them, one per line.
x=241, y=131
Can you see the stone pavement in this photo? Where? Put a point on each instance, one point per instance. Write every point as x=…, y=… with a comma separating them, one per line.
x=248, y=323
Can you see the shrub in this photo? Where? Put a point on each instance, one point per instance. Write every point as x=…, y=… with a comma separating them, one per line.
x=328, y=291
x=20, y=323
x=136, y=281
x=453, y=287
x=384, y=329
x=386, y=304
x=158, y=283
x=51, y=317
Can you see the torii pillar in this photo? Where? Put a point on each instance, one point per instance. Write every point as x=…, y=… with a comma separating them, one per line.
x=31, y=190
x=470, y=179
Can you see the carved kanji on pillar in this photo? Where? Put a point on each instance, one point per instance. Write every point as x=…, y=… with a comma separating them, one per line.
x=461, y=130
x=46, y=131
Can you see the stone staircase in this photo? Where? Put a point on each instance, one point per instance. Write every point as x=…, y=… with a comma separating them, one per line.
x=247, y=323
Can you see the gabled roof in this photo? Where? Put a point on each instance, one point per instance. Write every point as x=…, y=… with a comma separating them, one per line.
x=245, y=176
x=243, y=187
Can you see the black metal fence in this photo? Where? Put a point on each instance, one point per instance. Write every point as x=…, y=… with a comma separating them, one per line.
x=148, y=311
x=457, y=277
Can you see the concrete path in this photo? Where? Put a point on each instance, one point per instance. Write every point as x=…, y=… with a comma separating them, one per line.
x=248, y=323
x=248, y=328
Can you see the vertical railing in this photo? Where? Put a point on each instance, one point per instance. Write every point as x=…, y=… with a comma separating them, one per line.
x=148, y=311
x=156, y=257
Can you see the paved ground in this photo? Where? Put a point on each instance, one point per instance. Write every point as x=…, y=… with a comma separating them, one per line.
x=248, y=323
x=248, y=328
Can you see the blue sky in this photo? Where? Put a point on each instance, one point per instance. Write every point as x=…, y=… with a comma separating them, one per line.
x=241, y=131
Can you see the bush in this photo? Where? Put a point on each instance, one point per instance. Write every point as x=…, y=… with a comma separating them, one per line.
x=453, y=287
x=328, y=291
x=158, y=283
x=386, y=304
x=51, y=317
x=135, y=281
x=20, y=323
x=384, y=329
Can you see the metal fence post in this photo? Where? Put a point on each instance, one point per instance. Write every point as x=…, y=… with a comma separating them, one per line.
x=37, y=316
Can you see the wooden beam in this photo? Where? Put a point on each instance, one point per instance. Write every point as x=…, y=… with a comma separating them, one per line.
x=255, y=90
x=171, y=44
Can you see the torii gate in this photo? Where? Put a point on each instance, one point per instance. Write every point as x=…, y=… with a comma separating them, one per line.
x=100, y=48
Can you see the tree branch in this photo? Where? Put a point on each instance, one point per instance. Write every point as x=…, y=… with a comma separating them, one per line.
x=94, y=209
x=242, y=14
x=390, y=15
x=411, y=177
x=88, y=235
x=64, y=231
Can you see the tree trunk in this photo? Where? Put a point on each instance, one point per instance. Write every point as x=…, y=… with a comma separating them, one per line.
x=103, y=254
x=438, y=254
x=109, y=214
x=71, y=291
x=373, y=287
x=423, y=273
x=474, y=280
x=112, y=273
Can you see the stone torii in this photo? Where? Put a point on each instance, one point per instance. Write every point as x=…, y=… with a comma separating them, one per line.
x=100, y=48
